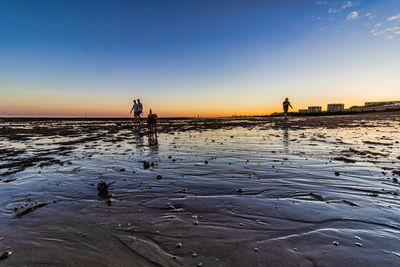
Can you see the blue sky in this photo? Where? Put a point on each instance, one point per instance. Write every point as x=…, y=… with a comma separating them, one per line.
x=195, y=57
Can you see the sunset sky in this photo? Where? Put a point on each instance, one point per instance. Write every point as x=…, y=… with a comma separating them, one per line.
x=184, y=58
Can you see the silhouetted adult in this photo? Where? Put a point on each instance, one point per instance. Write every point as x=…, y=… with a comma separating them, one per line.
x=139, y=110
x=286, y=104
x=134, y=108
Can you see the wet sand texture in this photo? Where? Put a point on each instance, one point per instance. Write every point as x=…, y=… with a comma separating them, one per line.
x=315, y=191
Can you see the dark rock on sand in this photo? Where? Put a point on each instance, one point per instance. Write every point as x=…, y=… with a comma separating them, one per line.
x=109, y=201
x=146, y=165
x=5, y=255
x=347, y=160
x=102, y=187
x=349, y=202
x=317, y=196
x=9, y=180
x=377, y=143
x=30, y=209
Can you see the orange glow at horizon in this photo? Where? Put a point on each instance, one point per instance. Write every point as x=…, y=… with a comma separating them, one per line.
x=80, y=108
x=107, y=104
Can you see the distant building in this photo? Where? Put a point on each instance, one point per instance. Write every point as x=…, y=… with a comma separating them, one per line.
x=303, y=110
x=335, y=107
x=380, y=103
x=314, y=109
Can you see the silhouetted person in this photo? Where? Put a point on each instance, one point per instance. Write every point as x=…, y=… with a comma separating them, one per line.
x=152, y=121
x=139, y=110
x=135, y=109
x=286, y=104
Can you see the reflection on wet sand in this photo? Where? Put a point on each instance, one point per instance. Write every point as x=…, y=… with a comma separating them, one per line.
x=152, y=143
x=229, y=192
x=286, y=140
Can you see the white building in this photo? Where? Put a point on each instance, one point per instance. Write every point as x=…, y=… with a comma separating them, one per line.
x=335, y=107
x=314, y=109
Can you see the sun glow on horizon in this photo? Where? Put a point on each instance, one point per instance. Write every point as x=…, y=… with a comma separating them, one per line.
x=199, y=58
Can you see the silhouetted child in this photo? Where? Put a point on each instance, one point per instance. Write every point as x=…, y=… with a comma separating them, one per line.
x=152, y=121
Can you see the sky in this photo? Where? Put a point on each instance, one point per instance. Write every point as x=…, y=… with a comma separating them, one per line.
x=189, y=58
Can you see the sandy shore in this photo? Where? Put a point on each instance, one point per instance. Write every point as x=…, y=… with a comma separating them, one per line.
x=315, y=191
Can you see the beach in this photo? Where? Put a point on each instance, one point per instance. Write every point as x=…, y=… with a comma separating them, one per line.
x=309, y=191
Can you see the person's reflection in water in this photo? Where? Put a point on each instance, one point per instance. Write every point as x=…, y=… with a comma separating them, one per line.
x=153, y=143
x=286, y=140
x=139, y=140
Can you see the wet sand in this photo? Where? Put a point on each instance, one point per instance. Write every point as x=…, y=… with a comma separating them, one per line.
x=315, y=191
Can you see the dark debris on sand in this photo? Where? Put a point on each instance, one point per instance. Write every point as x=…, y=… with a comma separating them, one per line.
x=30, y=209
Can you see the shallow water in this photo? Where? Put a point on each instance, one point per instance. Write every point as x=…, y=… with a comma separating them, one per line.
x=253, y=195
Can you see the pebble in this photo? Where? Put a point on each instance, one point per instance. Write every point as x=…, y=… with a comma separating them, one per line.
x=146, y=165
x=337, y=173
x=256, y=249
x=159, y=177
x=179, y=245
x=359, y=244
x=336, y=243
x=109, y=201
x=5, y=255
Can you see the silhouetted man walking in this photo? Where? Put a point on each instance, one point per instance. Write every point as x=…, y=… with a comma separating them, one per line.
x=286, y=104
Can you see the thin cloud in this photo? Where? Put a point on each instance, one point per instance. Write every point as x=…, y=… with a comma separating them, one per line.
x=389, y=31
x=394, y=17
x=370, y=15
x=347, y=4
x=332, y=10
x=321, y=3
x=352, y=15
x=378, y=25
